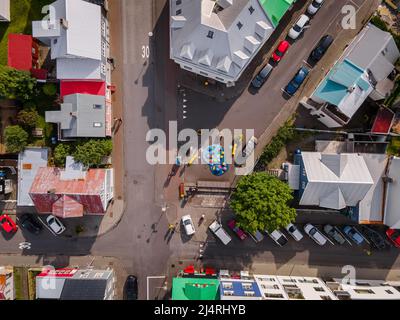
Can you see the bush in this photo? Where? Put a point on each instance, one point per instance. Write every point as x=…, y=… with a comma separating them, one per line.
x=284, y=135
x=28, y=118
x=92, y=152
x=50, y=89
x=379, y=23
x=60, y=153
x=16, y=139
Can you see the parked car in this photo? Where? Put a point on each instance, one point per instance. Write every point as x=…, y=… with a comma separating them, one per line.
x=314, y=7
x=30, y=223
x=222, y=235
x=55, y=225
x=334, y=234
x=188, y=225
x=321, y=48
x=257, y=236
x=353, y=234
x=279, y=238
x=315, y=234
x=280, y=51
x=239, y=232
x=294, y=232
x=8, y=224
x=374, y=237
x=297, y=81
x=262, y=76
x=394, y=237
x=131, y=288
x=298, y=27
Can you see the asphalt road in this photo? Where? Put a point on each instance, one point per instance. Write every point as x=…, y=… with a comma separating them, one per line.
x=257, y=110
x=149, y=102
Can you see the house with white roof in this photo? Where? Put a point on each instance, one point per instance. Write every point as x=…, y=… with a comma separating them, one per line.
x=78, y=35
x=332, y=181
x=5, y=11
x=364, y=70
x=217, y=39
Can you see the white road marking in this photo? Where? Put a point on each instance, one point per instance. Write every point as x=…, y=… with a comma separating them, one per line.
x=25, y=245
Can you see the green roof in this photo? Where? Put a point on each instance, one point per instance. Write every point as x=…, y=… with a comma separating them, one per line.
x=195, y=289
x=276, y=9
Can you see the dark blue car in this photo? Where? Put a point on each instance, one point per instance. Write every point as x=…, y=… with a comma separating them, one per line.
x=297, y=81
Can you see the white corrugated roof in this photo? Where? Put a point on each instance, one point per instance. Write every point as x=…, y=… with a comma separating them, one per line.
x=392, y=213
x=29, y=162
x=336, y=181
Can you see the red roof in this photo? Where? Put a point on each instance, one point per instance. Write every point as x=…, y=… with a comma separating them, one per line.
x=68, y=198
x=383, y=121
x=97, y=88
x=20, y=51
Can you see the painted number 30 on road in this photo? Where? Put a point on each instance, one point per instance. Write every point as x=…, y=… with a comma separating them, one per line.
x=145, y=52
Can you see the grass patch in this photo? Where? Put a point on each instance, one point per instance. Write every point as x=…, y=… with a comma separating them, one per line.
x=394, y=147
x=23, y=12
x=19, y=292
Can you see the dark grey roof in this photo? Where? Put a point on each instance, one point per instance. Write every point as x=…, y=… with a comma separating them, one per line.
x=84, y=289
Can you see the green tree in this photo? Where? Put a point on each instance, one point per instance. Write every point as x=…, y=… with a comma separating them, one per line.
x=92, y=152
x=16, y=139
x=261, y=202
x=28, y=118
x=16, y=84
x=60, y=154
x=50, y=89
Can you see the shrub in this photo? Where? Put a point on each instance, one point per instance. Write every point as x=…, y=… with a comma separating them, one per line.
x=28, y=118
x=60, y=153
x=92, y=152
x=15, y=84
x=16, y=139
x=50, y=89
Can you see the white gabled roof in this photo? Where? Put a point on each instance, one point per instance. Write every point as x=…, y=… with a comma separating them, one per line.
x=335, y=180
x=392, y=210
x=79, y=36
x=218, y=34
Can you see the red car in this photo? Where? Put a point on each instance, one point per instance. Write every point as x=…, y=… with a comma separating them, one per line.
x=280, y=51
x=394, y=236
x=8, y=224
x=239, y=232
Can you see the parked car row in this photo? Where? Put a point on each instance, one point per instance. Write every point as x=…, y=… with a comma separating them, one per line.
x=358, y=235
x=294, y=33
x=31, y=223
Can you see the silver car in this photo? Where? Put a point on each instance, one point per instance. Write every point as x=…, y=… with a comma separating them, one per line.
x=55, y=225
x=315, y=234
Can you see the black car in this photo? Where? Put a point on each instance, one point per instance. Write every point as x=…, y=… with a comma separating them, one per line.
x=376, y=239
x=30, y=223
x=131, y=288
x=262, y=76
x=321, y=48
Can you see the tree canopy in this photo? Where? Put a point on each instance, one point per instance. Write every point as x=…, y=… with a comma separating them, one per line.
x=61, y=152
x=16, y=139
x=261, y=202
x=28, y=118
x=92, y=152
x=16, y=84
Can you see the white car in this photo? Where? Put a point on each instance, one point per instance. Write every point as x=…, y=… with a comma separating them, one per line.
x=279, y=238
x=55, y=225
x=298, y=27
x=217, y=229
x=188, y=224
x=314, y=7
x=315, y=234
x=294, y=232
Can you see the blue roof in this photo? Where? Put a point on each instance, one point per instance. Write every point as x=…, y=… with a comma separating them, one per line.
x=334, y=88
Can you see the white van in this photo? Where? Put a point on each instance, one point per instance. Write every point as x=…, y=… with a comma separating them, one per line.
x=298, y=27
x=217, y=229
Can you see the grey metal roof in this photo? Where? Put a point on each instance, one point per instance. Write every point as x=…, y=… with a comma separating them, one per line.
x=375, y=50
x=81, y=115
x=84, y=289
